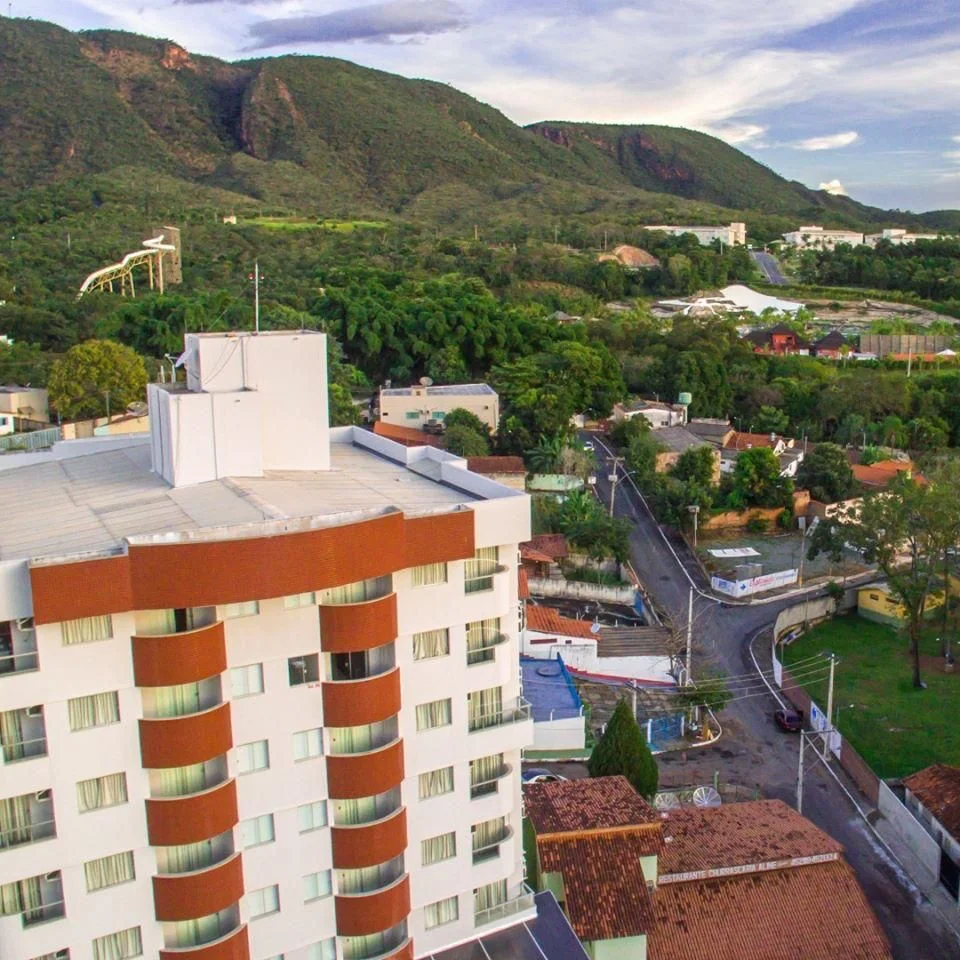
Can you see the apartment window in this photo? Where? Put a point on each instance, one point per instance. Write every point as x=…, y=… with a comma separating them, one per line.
x=485, y=774
x=482, y=639
x=435, y=849
x=485, y=708
x=323, y=950
x=437, y=713
x=246, y=681
x=263, y=901
x=438, y=415
x=248, y=608
x=312, y=816
x=441, y=912
x=119, y=945
x=305, y=669
x=318, y=885
x=431, y=643
x=95, y=710
x=359, y=592
x=253, y=756
x=412, y=415
x=22, y=734
x=99, y=792
x=436, y=782
x=109, y=871
x=479, y=571
x=307, y=744
x=63, y=954
x=487, y=837
x=429, y=573
x=296, y=600
x=257, y=830
x=86, y=630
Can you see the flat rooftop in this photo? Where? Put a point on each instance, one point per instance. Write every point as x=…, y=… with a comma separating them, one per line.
x=91, y=503
x=451, y=390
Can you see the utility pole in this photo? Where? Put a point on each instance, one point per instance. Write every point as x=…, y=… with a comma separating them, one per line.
x=833, y=665
x=633, y=690
x=689, y=680
x=106, y=393
x=800, y=775
x=256, y=295
x=614, y=480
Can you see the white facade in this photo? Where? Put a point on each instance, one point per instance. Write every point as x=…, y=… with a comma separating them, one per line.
x=414, y=406
x=817, y=238
x=897, y=237
x=279, y=672
x=732, y=234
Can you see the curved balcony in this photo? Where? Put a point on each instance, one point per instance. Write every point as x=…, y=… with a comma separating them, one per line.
x=187, y=896
x=171, y=659
x=233, y=946
x=352, y=627
x=483, y=788
x=175, y=820
x=365, y=913
x=354, y=775
x=369, y=844
x=402, y=950
x=353, y=703
x=181, y=741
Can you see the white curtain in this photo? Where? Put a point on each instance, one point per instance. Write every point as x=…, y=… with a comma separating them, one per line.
x=15, y=825
x=119, y=945
x=191, y=933
x=481, y=636
x=177, y=701
x=431, y=643
x=429, y=573
x=86, y=630
x=102, y=792
x=357, y=948
x=357, y=592
x=444, y=911
x=435, y=849
x=22, y=896
x=178, y=781
x=485, y=769
x=368, y=879
x=490, y=895
x=109, y=871
x=479, y=570
x=370, y=736
x=485, y=708
x=95, y=710
x=437, y=713
x=366, y=809
x=185, y=857
x=11, y=735
x=488, y=833
x=436, y=782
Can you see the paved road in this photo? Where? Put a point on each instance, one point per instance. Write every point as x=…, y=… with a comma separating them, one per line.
x=769, y=267
x=752, y=744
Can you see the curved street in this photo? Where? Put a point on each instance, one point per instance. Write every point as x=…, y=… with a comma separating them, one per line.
x=752, y=751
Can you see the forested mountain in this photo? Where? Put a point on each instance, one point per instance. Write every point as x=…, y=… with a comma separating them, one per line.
x=320, y=135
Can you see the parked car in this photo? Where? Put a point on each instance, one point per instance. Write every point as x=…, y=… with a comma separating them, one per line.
x=588, y=445
x=540, y=775
x=790, y=721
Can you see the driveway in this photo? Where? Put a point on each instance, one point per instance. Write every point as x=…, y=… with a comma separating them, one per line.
x=768, y=267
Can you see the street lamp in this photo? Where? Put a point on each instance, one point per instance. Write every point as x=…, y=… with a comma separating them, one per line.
x=694, y=511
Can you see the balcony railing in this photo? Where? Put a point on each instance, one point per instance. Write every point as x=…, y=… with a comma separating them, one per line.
x=23, y=750
x=44, y=912
x=376, y=947
x=28, y=833
x=509, y=908
x=24, y=661
x=360, y=882
x=343, y=742
x=491, y=851
x=367, y=810
x=486, y=650
x=479, y=575
x=486, y=787
x=514, y=713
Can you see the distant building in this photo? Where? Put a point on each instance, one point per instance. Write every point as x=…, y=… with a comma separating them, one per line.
x=932, y=795
x=817, y=238
x=898, y=237
x=714, y=432
x=733, y=233
x=780, y=339
x=677, y=440
x=510, y=471
x=833, y=346
x=414, y=406
x=876, y=602
x=657, y=414
x=23, y=408
x=783, y=449
x=899, y=346
x=881, y=474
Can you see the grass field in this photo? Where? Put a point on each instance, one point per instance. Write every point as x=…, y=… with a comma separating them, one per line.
x=292, y=224
x=896, y=728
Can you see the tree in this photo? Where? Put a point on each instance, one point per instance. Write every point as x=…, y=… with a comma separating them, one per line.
x=826, y=473
x=464, y=442
x=343, y=411
x=696, y=466
x=623, y=750
x=757, y=481
x=771, y=420
x=81, y=381
x=459, y=417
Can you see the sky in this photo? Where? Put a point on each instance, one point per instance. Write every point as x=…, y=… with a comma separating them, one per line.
x=855, y=96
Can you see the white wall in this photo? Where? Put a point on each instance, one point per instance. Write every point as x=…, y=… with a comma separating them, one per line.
x=920, y=842
x=568, y=733
x=581, y=654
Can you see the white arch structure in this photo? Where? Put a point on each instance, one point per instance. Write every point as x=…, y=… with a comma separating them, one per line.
x=122, y=272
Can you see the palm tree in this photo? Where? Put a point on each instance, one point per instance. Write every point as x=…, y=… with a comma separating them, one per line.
x=545, y=456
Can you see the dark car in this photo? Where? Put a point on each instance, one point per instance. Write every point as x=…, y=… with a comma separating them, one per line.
x=791, y=721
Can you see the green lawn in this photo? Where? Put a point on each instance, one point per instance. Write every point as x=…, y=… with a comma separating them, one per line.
x=896, y=728
x=298, y=223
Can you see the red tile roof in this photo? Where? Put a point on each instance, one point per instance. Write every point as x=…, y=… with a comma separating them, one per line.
x=605, y=889
x=764, y=832
x=408, y=436
x=744, y=441
x=547, y=620
x=554, y=545
x=938, y=789
x=579, y=806
x=523, y=584
x=533, y=555
x=494, y=465
x=881, y=473
x=816, y=912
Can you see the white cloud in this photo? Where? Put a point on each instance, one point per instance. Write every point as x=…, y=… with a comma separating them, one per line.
x=834, y=188
x=737, y=133
x=832, y=141
x=952, y=154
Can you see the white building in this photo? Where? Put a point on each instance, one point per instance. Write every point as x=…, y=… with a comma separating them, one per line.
x=731, y=234
x=816, y=238
x=260, y=682
x=898, y=237
x=414, y=406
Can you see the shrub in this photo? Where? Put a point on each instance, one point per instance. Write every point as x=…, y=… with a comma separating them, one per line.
x=757, y=524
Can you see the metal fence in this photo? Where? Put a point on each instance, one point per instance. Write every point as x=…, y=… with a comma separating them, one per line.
x=37, y=440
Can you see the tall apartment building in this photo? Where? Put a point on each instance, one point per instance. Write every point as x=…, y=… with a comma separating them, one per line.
x=259, y=683
x=732, y=234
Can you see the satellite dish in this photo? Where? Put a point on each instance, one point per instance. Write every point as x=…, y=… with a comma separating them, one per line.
x=666, y=801
x=706, y=797
x=594, y=627
x=426, y=382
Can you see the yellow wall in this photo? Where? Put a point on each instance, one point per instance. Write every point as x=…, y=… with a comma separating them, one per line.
x=876, y=603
